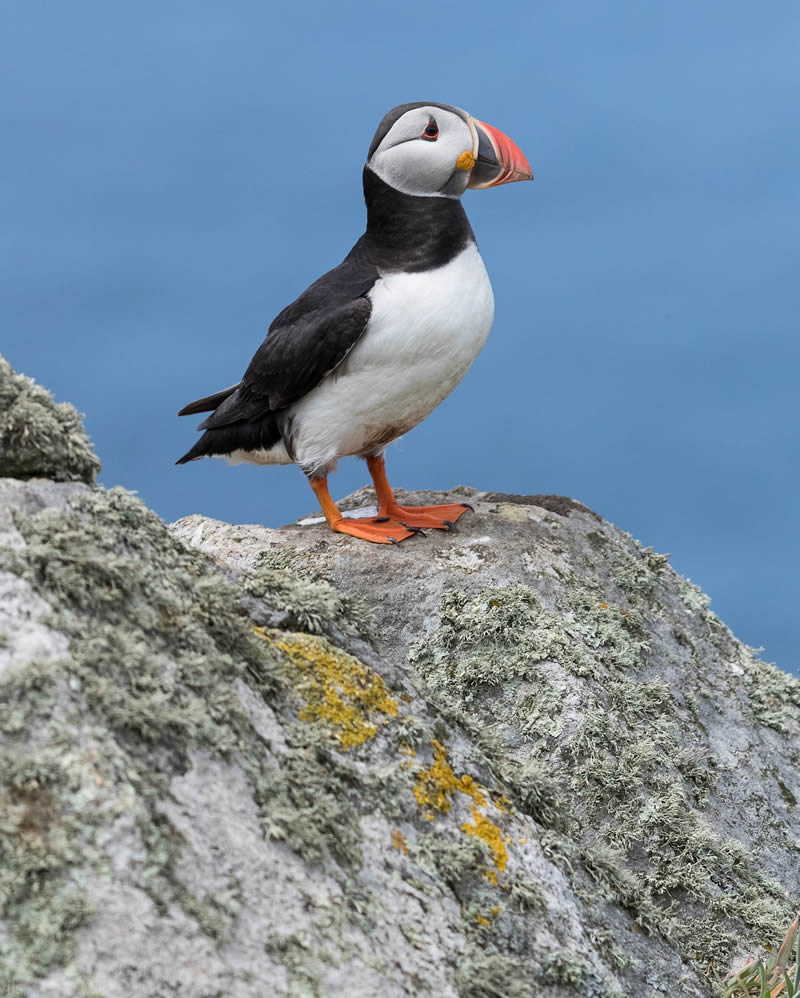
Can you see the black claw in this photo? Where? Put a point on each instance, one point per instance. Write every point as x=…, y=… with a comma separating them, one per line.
x=393, y=540
x=450, y=526
x=414, y=530
x=381, y=519
x=466, y=505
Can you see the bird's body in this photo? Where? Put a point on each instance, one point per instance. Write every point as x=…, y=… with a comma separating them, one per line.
x=371, y=348
x=424, y=331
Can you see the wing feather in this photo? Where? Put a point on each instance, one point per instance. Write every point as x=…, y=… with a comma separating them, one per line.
x=305, y=343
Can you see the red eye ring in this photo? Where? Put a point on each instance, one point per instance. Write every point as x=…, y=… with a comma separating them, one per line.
x=431, y=131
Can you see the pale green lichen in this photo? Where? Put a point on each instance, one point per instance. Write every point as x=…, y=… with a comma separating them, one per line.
x=487, y=639
x=493, y=975
x=526, y=895
x=303, y=966
x=307, y=801
x=24, y=694
x=310, y=603
x=774, y=695
x=566, y=968
x=38, y=437
x=613, y=634
x=692, y=596
x=537, y=791
x=40, y=843
x=581, y=734
x=157, y=641
x=643, y=791
x=634, y=762
x=639, y=576
x=502, y=633
x=542, y=714
x=455, y=862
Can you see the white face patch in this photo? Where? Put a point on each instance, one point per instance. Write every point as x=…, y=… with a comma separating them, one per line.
x=411, y=161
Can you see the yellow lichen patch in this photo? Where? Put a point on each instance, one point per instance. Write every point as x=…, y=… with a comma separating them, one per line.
x=482, y=920
x=339, y=690
x=438, y=784
x=503, y=804
x=407, y=749
x=435, y=789
x=468, y=786
x=399, y=841
x=487, y=831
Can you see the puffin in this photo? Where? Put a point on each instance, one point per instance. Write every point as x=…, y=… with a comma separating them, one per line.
x=372, y=347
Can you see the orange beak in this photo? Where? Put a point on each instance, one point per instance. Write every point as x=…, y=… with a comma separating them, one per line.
x=498, y=160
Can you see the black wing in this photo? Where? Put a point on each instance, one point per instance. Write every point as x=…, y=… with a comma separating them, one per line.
x=305, y=342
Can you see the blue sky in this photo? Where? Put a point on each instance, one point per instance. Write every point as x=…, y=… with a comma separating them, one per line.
x=173, y=174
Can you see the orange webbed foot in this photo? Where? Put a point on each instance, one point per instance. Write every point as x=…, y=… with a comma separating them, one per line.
x=379, y=530
x=435, y=517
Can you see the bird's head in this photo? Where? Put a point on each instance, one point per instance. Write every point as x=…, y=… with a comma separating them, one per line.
x=435, y=150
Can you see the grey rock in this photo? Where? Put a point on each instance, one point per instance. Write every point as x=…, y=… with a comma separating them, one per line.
x=521, y=759
x=40, y=438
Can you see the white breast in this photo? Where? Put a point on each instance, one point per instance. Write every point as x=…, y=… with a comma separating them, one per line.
x=424, y=333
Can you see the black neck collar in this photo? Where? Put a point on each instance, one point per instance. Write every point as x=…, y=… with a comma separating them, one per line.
x=411, y=233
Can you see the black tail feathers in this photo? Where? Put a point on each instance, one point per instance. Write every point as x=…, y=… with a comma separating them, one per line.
x=208, y=403
x=261, y=434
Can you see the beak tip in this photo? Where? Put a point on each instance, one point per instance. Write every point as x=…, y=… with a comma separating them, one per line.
x=509, y=161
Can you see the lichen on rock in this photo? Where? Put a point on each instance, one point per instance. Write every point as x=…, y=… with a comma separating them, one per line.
x=338, y=690
x=570, y=687
x=308, y=604
x=40, y=438
x=526, y=759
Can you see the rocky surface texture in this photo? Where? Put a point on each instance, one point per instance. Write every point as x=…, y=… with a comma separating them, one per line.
x=524, y=759
x=38, y=437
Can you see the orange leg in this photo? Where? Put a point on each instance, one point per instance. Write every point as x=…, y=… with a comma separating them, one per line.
x=389, y=532
x=438, y=517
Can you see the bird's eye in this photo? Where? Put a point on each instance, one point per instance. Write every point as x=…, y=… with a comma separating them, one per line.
x=431, y=132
